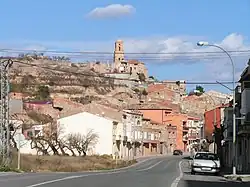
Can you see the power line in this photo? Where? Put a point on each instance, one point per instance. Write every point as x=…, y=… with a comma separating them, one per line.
x=114, y=78
x=136, y=53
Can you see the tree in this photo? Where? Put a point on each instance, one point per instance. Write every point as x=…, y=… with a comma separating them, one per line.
x=43, y=93
x=51, y=141
x=200, y=89
x=82, y=142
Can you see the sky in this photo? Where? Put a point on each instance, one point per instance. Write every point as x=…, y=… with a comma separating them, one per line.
x=162, y=26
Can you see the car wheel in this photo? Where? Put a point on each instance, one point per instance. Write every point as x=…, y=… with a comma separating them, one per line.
x=192, y=172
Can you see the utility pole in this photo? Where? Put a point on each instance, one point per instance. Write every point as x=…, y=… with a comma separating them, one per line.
x=133, y=136
x=5, y=64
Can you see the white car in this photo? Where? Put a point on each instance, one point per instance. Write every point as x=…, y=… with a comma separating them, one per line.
x=205, y=162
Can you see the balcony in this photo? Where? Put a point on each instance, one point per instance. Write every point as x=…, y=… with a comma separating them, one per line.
x=245, y=101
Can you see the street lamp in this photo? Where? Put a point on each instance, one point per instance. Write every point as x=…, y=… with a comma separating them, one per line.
x=203, y=43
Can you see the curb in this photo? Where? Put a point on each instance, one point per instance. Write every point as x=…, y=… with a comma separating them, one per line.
x=237, y=178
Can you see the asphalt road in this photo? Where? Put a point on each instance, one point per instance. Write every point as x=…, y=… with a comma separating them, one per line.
x=169, y=171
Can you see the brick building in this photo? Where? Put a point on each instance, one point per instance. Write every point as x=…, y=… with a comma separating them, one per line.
x=209, y=116
x=173, y=124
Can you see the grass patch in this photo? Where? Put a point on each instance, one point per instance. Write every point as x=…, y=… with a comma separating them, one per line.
x=9, y=169
x=68, y=164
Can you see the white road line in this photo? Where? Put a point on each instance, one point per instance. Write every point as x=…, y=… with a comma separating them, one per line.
x=150, y=167
x=73, y=177
x=177, y=180
x=86, y=175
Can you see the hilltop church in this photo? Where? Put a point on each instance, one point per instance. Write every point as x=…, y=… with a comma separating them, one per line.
x=121, y=65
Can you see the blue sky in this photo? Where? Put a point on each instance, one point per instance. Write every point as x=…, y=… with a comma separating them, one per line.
x=146, y=26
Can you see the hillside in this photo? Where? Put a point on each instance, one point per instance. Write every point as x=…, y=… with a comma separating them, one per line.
x=61, y=77
x=73, y=85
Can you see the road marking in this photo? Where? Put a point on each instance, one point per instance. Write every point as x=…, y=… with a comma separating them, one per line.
x=91, y=174
x=86, y=175
x=150, y=167
x=177, y=180
x=73, y=177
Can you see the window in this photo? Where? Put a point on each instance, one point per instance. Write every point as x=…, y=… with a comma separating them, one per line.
x=206, y=156
x=119, y=48
x=149, y=136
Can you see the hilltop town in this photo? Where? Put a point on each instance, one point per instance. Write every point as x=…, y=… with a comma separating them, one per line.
x=123, y=84
x=53, y=90
x=105, y=93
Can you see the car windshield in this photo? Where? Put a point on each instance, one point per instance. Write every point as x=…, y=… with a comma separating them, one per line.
x=206, y=156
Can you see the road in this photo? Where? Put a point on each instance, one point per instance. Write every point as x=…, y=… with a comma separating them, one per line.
x=169, y=171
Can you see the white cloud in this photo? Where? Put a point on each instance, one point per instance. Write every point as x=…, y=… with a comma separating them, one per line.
x=177, y=49
x=111, y=11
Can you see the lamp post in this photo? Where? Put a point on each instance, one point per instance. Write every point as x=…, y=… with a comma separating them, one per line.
x=202, y=43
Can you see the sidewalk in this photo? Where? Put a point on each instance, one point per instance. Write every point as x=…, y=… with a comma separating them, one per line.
x=227, y=173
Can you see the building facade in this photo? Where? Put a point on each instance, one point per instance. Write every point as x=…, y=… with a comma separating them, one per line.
x=133, y=134
x=211, y=118
x=243, y=130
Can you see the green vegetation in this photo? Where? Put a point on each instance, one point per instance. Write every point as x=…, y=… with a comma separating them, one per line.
x=8, y=169
x=200, y=89
x=42, y=93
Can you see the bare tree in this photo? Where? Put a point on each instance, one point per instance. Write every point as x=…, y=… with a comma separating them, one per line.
x=49, y=140
x=81, y=143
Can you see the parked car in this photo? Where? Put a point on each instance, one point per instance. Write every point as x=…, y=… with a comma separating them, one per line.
x=205, y=162
x=177, y=152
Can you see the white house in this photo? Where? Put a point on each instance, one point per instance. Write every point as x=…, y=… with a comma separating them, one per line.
x=82, y=123
x=109, y=131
